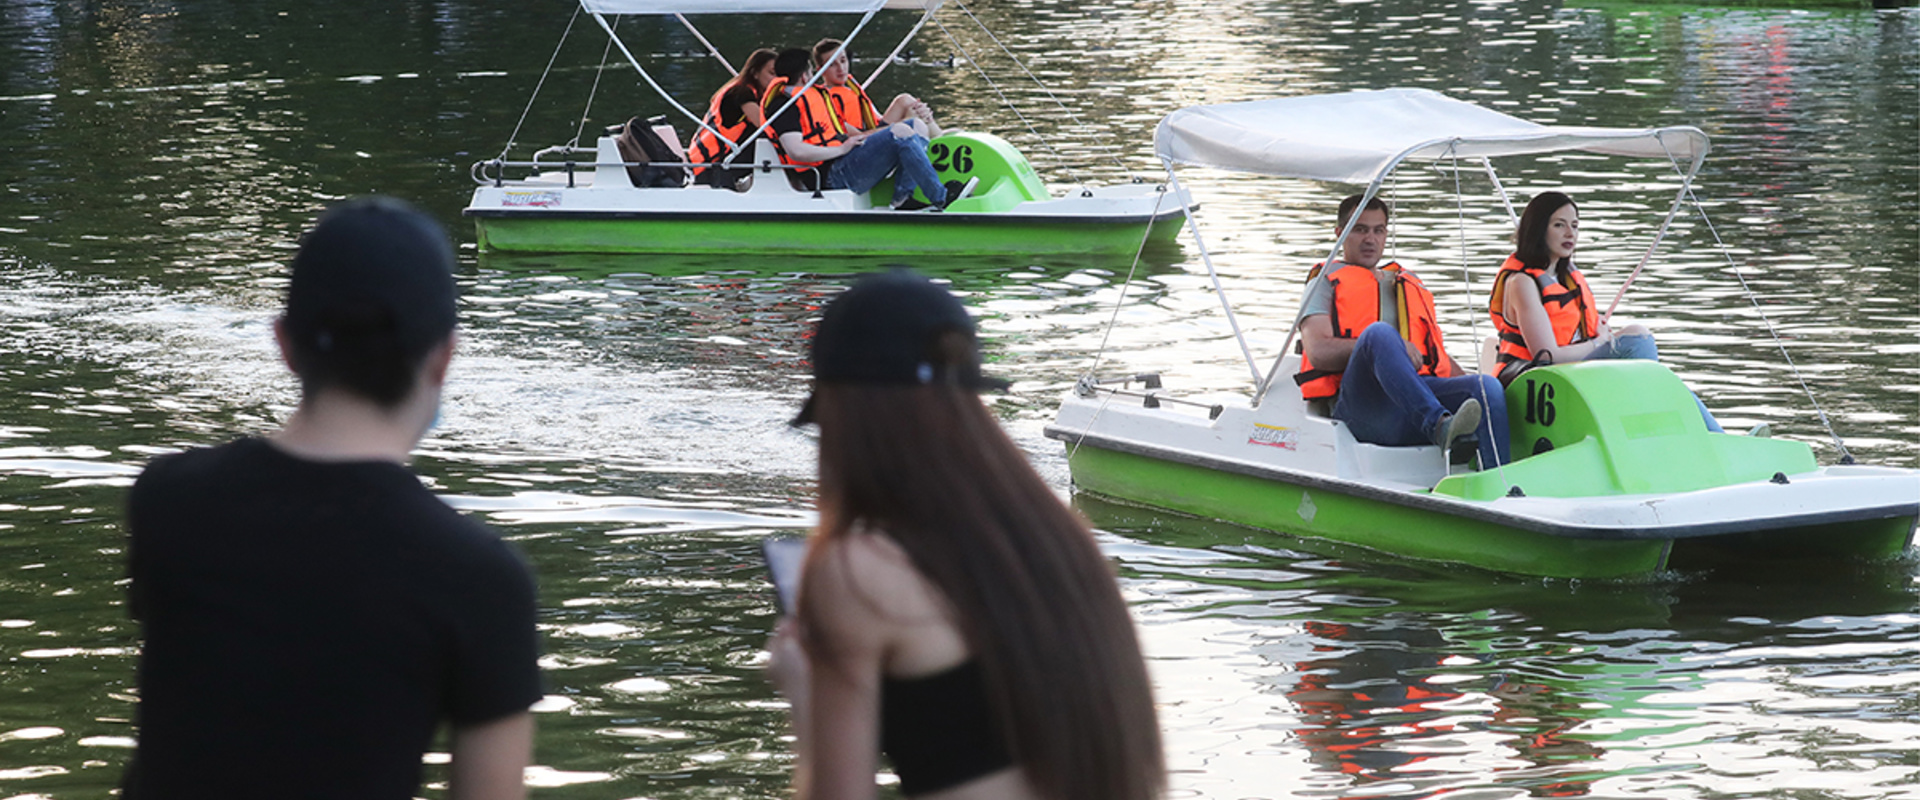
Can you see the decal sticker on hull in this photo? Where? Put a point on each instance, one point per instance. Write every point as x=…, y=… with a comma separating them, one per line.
x=1274, y=436
x=530, y=199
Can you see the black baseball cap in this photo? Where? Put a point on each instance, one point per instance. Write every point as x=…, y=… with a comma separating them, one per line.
x=883, y=330
x=377, y=265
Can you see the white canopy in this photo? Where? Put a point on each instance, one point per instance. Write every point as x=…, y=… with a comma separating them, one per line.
x=1355, y=137
x=751, y=6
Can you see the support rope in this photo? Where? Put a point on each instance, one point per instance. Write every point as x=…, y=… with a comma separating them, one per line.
x=511, y=138
x=1109, y=148
x=1009, y=103
x=1845, y=456
x=1473, y=324
x=595, y=90
x=1114, y=320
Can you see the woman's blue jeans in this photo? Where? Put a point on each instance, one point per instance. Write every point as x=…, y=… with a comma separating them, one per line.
x=1384, y=400
x=880, y=155
x=1641, y=346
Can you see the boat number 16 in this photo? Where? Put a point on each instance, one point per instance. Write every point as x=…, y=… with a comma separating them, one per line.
x=1540, y=403
x=961, y=158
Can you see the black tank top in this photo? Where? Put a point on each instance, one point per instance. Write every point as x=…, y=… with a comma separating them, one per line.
x=939, y=730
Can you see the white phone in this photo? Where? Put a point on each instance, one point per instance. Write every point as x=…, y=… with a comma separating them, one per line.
x=784, y=557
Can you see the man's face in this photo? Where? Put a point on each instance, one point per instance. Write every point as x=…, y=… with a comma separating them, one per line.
x=836, y=72
x=1368, y=241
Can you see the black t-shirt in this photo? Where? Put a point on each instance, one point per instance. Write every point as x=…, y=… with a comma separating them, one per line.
x=733, y=104
x=789, y=122
x=308, y=625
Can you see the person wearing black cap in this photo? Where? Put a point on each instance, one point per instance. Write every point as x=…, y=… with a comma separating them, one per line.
x=311, y=614
x=952, y=612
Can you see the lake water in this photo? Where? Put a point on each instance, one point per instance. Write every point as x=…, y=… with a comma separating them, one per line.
x=623, y=418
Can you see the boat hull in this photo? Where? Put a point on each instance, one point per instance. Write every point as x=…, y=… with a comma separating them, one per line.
x=1625, y=481
x=597, y=208
x=851, y=233
x=1417, y=533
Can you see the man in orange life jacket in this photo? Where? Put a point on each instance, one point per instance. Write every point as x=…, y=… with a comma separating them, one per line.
x=855, y=108
x=1390, y=377
x=810, y=133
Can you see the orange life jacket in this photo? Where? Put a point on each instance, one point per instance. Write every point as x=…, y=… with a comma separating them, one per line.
x=818, y=123
x=708, y=148
x=1358, y=302
x=1569, y=305
x=855, y=110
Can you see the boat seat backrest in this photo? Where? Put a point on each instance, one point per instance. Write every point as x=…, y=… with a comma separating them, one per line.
x=608, y=172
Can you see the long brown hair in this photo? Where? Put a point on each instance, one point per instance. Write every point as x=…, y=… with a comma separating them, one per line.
x=1033, y=596
x=755, y=61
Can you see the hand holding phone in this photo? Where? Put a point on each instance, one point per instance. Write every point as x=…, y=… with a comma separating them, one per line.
x=784, y=557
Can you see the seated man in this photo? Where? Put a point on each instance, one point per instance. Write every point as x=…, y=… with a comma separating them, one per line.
x=856, y=110
x=811, y=134
x=1389, y=374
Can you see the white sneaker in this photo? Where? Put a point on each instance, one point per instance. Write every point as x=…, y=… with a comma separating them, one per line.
x=957, y=191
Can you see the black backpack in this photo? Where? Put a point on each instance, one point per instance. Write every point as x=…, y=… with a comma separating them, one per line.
x=640, y=144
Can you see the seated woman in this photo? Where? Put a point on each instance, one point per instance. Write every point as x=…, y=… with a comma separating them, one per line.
x=734, y=111
x=1541, y=305
x=952, y=612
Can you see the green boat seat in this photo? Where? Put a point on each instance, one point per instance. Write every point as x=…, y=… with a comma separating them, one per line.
x=1006, y=179
x=1614, y=428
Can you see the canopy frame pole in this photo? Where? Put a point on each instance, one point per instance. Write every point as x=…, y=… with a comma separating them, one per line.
x=602, y=19
x=1686, y=186
x=715, y=51
x=741, y=146
x=904, y=40
x=1505, y=199
x=1186, y=210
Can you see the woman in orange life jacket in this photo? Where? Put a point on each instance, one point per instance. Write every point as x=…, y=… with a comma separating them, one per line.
x=952, y=612
x=734, y=111
x=1542, y=307
x=856, y=109
x=1387, y=388
x=810, y=133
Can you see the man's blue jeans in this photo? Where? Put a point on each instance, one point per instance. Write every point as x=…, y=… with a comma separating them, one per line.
x=865, y=166
x=1383, y=400
x=1642, y=347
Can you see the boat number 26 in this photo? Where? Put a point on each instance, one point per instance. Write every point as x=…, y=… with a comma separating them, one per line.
x=960, y=158
x=1540, y=403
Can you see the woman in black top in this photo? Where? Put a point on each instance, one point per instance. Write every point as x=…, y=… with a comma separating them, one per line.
x=951, y=610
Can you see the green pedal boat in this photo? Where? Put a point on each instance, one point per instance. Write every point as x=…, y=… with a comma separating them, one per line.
x=1615, y=474
x=574, y=199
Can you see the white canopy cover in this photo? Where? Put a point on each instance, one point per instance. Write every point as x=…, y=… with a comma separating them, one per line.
x=751, y=6
x=1356, y=137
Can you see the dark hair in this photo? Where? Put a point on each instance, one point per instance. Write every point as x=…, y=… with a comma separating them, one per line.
x=1348, y=205
x=792, y=63
x=756, y=60
x=370, y=295
x=1032, y=595
x=822, y=49
x=1530, y=241
x=356, y=348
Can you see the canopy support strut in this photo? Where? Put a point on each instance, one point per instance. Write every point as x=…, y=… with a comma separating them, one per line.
x=1173, y=183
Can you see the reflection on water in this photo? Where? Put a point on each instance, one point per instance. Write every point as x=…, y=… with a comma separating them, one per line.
x=623, y=418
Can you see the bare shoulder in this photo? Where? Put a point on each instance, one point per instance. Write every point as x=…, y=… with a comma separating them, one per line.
x=866, y=575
